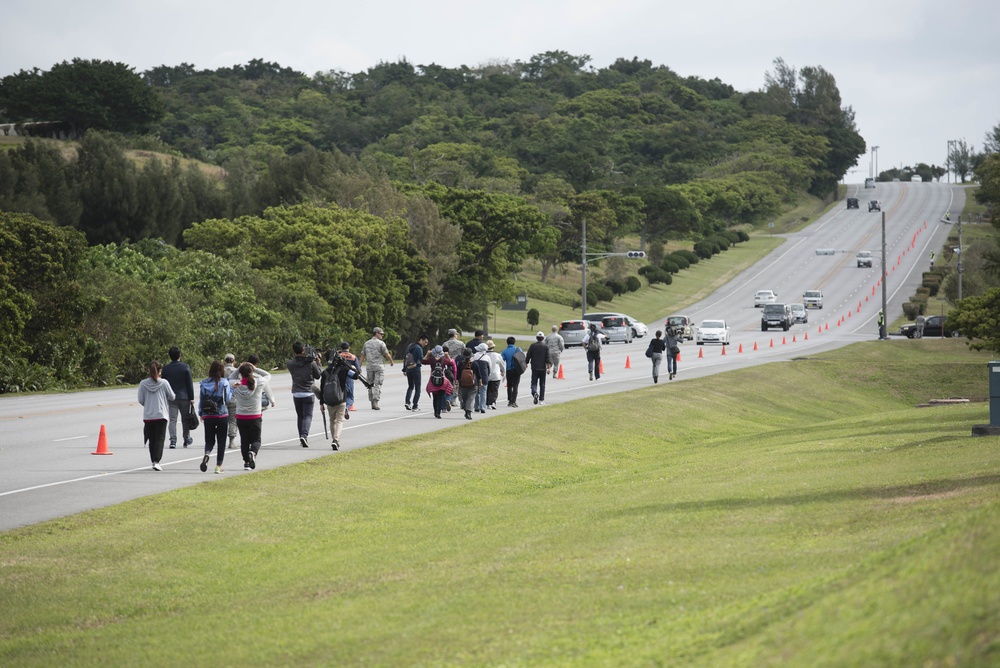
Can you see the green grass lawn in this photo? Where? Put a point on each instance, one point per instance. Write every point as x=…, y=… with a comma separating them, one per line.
x=801, y=513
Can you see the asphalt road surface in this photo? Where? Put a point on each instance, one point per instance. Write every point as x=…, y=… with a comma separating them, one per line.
x=46, y=441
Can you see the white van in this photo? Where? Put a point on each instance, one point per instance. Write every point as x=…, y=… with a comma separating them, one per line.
x=869, y=182
x=915, y=178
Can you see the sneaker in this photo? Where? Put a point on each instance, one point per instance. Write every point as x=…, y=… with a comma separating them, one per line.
x=437, y=414
x=541, y=403
x=415, y=409
x=407, y=407
x=303, y=442
x=157, y=467
x=534, y=395
x=218, y=469
x=335, y=445
x=204, y=464
x=188, y=441
x=252, y=462
x=514, y=405
x=173, y=444
x=655, y=380
x=468, y=415
x=246, y=466
x=592, y=375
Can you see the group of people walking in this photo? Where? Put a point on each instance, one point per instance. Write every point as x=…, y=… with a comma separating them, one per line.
x=232, y=399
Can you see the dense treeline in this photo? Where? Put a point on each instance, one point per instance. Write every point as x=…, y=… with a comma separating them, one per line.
x=404, y=196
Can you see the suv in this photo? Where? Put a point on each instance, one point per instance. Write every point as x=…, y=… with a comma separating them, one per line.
x=869, y=182
x=776, y=315
x=864, y=258
x=852, y=203
x=813, y=299
x=874, y=205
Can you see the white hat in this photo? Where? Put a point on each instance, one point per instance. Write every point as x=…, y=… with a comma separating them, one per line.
x=540, y=335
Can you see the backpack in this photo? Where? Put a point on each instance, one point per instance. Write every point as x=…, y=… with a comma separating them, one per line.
x=210, y=404
x=468, y=377
x=520, y=362
x=409, y=361
x=437, y=374
x=594, y=343
x=333, y=392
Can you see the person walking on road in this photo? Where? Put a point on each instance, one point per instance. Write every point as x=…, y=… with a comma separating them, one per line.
x=352, y=361
x=304, y=370
x=498, y=371
x=467, y=373
x=336, y=375
x=592, y=344
x=249, y=412
x=230, y=370
x=215, y=394
x=412, y=363
x=673, y=350
x=155, y=395
x=178, y=374
x=537, y=358
x=484, y=370
x=439, y=386
x=655, y=354
x=373, y=356
x=454, y=347
x=556, y=345
x=513, y=370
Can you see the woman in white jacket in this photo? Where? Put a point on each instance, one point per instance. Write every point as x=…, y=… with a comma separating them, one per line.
x=155, y=395
x=248, y=393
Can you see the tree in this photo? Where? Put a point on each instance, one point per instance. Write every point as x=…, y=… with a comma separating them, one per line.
x=532, y=318
x=991, y=144
x=961, y=158
x=87, y=94
x=978, y=318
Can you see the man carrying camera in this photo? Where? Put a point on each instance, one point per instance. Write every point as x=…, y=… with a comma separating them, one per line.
x=304, y=369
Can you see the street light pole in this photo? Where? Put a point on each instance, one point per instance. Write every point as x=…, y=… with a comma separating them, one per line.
x=959, y=253
x=950, y=143
x=583, y=292
x=875, y=153
x=885, y=279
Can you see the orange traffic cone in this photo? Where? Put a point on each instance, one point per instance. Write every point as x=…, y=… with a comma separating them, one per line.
x=793, y=338
x=723, y=349
x=859, y=307
x=678, y=357
x=353, y=407
x=701, y=353
x=755, y=345
x=561, y=376
x=782, y=340
x=601, y=366
x=102, y=444
x=806, y=336
x=772, y=344
x=827, y=327
x=628, y=362
x=741, y=348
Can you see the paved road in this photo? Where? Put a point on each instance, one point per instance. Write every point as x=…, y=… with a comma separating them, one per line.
x=46, y=441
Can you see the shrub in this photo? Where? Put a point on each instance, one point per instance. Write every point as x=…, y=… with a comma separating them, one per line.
x=690, y=256
x=720, y=241
x=669, y=266
x=912, y=309
x=616, y=286
x=632, y=283
x=532, y=317
x=679, y=260
x=704, y=249
x=657, y=275
x=598, y=292
x=732, y=237
x=654, y=252
x=743, y=235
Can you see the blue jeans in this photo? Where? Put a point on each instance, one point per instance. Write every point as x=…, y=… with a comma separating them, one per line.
x=481, y=397
x=413, y=386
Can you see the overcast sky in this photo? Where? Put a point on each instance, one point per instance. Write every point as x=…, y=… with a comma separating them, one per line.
x=917, y=73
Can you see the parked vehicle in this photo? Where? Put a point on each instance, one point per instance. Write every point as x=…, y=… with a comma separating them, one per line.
x=799, y=313
x=683, y=325
x=776, y=315
x=616, y=329
x=764, y=297
x=813, y=299
x=864, y=258
x=573, y=331
x=934, y=326
x=713, y=331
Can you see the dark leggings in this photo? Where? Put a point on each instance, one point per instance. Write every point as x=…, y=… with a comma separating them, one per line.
x=250, y=430
x=154, y=432
x=216, y=431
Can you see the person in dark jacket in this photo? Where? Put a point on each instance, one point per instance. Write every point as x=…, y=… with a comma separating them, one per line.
x=178, y=374
x=537, y=358
x=304, y=370
x=513, y=371
x=411, y=367
x=655, y=354
x=673, y=350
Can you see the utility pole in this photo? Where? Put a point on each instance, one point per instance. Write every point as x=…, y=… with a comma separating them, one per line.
x=950, y=143
x=583, y=293
x=885, y=278
x=875, y=153
x=959, y=253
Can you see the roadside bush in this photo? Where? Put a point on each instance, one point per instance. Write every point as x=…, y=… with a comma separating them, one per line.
x=690, y=256
x=704, y=249
x=926, y=292
x=546, y=292
x=657, y=275
x=679, y=260
x=599, y=292
x=616, y=286
x=654, y=252
x=720, y=241
x=912, y=309
x=533, y=317
x=742, y=234
x=633, y=283
x=731, y=236
x=669, y=265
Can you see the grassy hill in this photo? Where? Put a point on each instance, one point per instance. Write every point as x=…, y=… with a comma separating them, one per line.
x=802, y=513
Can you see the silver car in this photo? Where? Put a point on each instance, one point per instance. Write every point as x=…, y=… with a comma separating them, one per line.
x=615, y=328
x=573, y=331
x=799, y=313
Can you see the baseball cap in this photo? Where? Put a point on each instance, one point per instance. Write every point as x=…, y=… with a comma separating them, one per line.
x=452, y=331
x=378, y=330
x=344, y=345
x=539, y=336
x=481, y=348
x=230, y=357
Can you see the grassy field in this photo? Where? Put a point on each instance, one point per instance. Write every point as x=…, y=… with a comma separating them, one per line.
x=802, y=513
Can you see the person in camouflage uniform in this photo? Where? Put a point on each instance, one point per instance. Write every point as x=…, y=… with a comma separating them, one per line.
x=373, y=356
